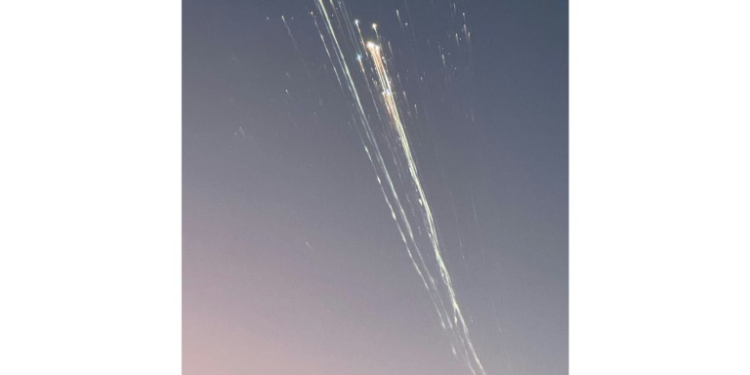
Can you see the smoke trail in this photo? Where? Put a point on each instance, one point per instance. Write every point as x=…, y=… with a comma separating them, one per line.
x=409, y=208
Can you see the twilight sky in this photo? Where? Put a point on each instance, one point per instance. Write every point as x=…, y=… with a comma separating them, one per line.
x=292, y=263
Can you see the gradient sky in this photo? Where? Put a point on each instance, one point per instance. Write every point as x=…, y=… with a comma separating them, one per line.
x=291, y=261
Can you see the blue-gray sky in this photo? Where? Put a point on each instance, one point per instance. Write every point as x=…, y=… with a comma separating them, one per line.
x=292, y=263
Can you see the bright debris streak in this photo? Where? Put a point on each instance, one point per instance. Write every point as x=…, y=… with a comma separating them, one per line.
x=395, y=118
x=399, y=177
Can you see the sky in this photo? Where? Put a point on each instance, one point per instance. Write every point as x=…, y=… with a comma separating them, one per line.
x=293, y=262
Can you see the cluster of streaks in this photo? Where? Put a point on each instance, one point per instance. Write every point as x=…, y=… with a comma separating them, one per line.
x=376, y=100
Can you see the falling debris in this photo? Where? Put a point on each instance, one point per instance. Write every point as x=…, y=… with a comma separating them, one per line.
x=376, y=102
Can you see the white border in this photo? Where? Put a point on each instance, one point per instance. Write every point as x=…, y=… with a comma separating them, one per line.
x=90, y=196
x=659, y=187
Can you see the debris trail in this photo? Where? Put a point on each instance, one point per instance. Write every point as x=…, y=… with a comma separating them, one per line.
x=294, y=41
x=397, y=176
x=389, y=102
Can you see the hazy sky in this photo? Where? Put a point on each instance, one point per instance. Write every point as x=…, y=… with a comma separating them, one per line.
x=292, y=263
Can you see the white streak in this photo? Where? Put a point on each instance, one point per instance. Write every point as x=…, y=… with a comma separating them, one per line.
x=385, y=99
